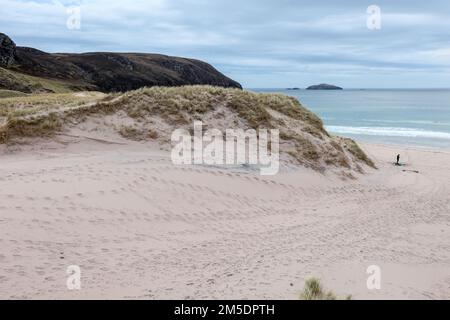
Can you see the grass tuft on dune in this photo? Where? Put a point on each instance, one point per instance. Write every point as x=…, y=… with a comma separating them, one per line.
x=39, y=115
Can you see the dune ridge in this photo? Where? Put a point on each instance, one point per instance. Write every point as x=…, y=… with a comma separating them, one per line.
x=86, y=179
x=152, y=114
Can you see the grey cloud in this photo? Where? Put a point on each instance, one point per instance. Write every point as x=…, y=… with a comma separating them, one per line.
x=258, y=42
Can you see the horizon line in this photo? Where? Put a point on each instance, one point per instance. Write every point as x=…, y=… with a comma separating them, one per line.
x=374, y=88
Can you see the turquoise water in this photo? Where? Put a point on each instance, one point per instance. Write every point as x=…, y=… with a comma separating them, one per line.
x=406, y=117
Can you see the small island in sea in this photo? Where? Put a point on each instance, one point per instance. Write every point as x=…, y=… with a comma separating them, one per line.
x=324, y=86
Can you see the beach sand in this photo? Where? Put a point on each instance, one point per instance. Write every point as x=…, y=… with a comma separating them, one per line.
x=142, y=228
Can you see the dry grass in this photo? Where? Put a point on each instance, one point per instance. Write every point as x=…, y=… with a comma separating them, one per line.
x=314, y=290
x=176, y=104
x=43, y=126
x=39, y=115
x=131, y=133
x=12, y=80
x=179, y=104
x=138, y=134
x=355, y=150
x=152, y=134
x=33, y=104
x=303, y=139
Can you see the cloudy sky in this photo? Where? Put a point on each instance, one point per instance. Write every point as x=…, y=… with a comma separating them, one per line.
x=260, y=43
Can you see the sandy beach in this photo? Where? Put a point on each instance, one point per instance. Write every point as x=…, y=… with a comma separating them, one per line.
x=142, y=228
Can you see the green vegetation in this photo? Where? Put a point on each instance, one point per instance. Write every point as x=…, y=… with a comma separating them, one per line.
x=11, y=94
x=314, y=290
x=20, y=82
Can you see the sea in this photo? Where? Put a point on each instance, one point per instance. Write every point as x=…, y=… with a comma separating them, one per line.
x=413, y=117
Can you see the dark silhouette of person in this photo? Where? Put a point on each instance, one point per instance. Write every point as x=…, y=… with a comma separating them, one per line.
x=398, y=160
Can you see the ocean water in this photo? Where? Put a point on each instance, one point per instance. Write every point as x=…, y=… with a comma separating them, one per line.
x=404, y=117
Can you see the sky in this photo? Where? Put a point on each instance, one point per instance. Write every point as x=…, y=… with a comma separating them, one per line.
x=259, y=43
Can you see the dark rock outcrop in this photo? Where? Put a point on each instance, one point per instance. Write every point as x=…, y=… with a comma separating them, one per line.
x=111, y=72
x=324, y=86
x=7, y=51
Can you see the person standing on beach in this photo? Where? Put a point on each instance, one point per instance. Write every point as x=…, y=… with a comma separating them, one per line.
x=398, y=160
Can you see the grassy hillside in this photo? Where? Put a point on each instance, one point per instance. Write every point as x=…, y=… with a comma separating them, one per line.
x=31, y=70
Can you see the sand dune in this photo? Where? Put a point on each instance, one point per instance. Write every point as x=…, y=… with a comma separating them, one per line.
x=140, y=227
